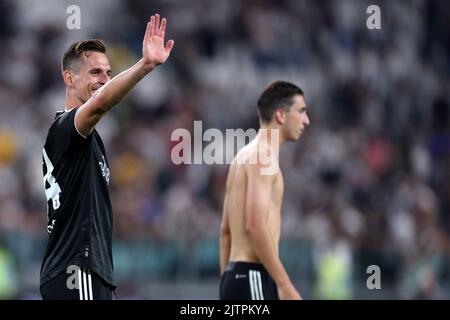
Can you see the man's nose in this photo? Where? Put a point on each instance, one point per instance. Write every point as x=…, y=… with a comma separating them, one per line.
x=307, y=120
x=104, y=78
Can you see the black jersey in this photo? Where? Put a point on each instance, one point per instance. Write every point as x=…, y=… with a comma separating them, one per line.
x=79, y=212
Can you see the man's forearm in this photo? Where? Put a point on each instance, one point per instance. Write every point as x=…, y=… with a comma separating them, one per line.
x=117, y=88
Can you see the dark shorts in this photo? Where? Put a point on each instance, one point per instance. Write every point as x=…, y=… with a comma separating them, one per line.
x=77, y=283
x=247, y=281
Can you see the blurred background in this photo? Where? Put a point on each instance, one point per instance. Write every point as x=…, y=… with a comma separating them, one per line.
x=367, y=184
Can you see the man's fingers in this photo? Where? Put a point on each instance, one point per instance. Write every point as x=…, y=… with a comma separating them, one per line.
x=169, y=45
x=147, y=32
x=152, y=26
x=162, y=29
x=154, y=29
x=156, y=25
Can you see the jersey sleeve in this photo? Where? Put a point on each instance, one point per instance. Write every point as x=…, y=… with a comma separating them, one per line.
x=63, y=134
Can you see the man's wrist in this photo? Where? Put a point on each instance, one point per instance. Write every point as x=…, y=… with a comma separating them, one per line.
x=147, y=67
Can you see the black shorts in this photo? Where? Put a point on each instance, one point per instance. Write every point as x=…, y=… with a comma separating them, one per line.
x=247, y=281
x=77, y=283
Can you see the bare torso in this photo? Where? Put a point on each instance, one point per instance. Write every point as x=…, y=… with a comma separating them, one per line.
x=235, y=201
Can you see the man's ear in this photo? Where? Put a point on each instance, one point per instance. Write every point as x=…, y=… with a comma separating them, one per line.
x=280, y=116
x=68, y=79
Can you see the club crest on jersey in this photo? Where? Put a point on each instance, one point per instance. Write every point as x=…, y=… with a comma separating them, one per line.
x=50, y=226
x=105, y=170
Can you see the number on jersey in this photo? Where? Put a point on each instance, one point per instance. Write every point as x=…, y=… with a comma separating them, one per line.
x=53, y=191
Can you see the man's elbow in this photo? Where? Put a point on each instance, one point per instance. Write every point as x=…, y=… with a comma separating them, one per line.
x=224, y=233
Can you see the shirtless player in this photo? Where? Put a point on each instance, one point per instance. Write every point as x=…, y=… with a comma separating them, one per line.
x=250, y=232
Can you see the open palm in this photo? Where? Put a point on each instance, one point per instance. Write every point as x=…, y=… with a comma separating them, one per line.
x=153, y=50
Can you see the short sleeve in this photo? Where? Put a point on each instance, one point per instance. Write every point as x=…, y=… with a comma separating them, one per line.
x=64, y=134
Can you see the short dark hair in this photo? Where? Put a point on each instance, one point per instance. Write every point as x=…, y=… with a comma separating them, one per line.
x=72, y=55
x=278, y=94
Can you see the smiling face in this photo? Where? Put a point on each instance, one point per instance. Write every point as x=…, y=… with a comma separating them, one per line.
x=92, y=72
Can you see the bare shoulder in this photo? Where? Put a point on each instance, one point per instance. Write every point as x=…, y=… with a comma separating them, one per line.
x=237, y=167
x=260, y=163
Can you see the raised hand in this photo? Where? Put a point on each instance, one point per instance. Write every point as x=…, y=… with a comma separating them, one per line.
x=153, y=50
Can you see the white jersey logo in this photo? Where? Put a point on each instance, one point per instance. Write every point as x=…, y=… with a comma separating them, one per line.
x=105, y=170
x=51, y=226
